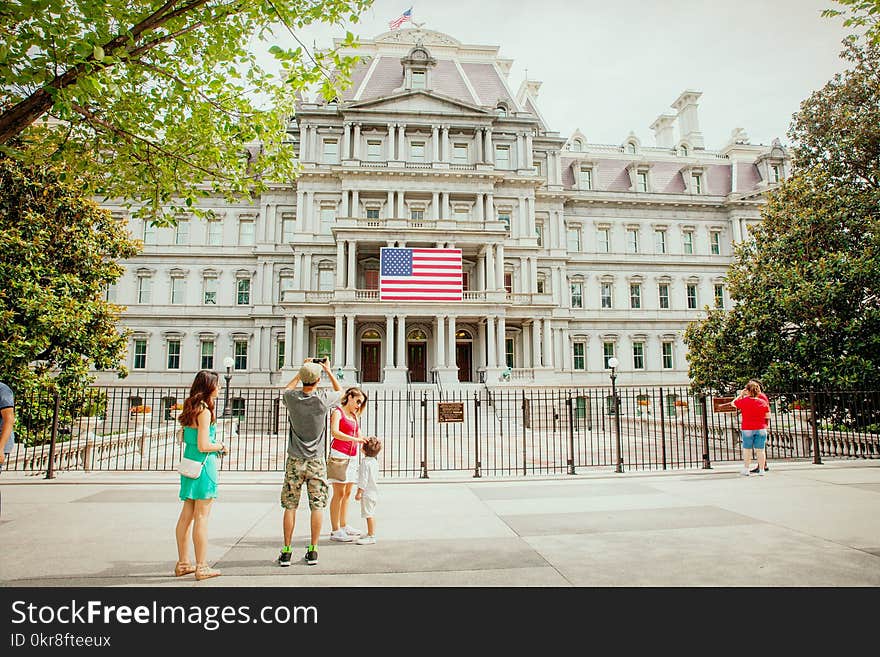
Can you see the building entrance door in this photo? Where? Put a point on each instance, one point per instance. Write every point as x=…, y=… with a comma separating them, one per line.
x=416, y=361
x=370, y=362
x=463, y=361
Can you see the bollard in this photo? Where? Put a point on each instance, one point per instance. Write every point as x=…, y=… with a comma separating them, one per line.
x=706, y=464
x=817, y=457
x=477, y=464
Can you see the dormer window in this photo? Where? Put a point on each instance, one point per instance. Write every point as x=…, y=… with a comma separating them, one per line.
x=416, y=68
x=501, y=110
x=419, y=79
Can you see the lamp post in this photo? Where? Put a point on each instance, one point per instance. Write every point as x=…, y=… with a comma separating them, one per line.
x=228, y=363
x=613, y=364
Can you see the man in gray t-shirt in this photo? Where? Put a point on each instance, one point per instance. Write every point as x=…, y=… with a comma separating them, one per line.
x=307, y=410
x=7, y=420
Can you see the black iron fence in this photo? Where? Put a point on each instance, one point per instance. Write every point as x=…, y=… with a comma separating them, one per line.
x=425, y=432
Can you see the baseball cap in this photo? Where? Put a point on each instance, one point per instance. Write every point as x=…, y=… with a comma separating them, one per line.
x=310, y=373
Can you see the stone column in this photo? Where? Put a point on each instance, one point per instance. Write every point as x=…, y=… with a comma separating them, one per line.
x=297, y=271
x=481, y=201
x=530, y=216
x=401, y=341
x=490, y=267
x=440, y=347
x=536, y=343
x=355, y=204
x=502, y=360
x=343, y=209
x=548, y=343
x=390, y=205
x=490, y=207
x=357, y=141
x=524, y=271
x=297, y=346
x=389, y=340
x=392, y=151
x=346, y=142
x=401, y=141
x=435, y=205
x=340, y=264
x=435, y=143
x=520, y=149
x=288, y=342
x=307, y=272
x=401, y=206
x=349, y=342
x=450, y=347
x=526, y=345
x=490, y=342
x=445, y=154
x=490, y=151
x=533, y=285
x=300, y=210
x=479, y=137
x=499, y=267
x=444, y=202
x=352, y=266
x=528, y=149
x=337, y=341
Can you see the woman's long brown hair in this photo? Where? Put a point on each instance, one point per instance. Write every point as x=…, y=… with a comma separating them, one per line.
x=200, y=392
x=351, y=392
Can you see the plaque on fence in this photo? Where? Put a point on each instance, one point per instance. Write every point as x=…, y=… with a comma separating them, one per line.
x=450, y=411
x=723, y=405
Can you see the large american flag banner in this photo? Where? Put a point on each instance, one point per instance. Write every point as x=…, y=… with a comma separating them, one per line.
x=400, y=20
x=420, y=274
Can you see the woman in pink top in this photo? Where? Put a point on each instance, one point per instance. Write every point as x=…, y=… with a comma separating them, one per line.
x=754, y=412
x=346, y=432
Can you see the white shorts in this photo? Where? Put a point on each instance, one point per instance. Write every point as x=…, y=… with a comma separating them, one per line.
x=351, y=473
x=368, y=506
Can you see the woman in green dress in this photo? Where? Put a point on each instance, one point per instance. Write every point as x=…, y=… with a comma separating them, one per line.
x=198, y=420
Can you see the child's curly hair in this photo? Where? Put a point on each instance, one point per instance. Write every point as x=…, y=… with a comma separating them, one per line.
x=372, y=447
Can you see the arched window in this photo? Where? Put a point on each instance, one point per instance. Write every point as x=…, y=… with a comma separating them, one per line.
x=417, y=335
x=631, y=148
x=463, y=335
x=372, y=334
x=577, y=146
x=501, y=110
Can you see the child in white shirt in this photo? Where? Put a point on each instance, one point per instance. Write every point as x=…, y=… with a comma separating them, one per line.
x=368, y=491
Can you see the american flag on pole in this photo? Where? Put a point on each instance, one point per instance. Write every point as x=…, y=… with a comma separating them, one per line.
x=400, y=20
x=420, y=274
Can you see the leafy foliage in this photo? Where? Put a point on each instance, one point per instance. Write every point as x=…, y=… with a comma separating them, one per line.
x=808, y=286
x=859, y=13
x=165, y=100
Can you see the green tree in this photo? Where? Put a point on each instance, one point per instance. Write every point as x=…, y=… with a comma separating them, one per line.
x=161, y=98
x=859, y=13
x=807, y=288
x=58, y=254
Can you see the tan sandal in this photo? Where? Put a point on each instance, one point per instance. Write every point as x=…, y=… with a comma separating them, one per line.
x=203, y=571
x=183, y=568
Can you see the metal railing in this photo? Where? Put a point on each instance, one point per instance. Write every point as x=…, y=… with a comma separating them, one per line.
x=498, y=431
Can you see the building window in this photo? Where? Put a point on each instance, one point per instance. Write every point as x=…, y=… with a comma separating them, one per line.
x=603, y=240
x=279, y=353
x=462, y=214
x=607, y=353
x=149, y=233
x=631, y=148
x=691, y=296
x=178, y=289
x=539, y=169
x=140, y=354
x=374, y=150
x=605, y=295
x=573, y=239
x=288, y=226
x=776, y=173
x=688, y=242
x=715, y=242
x=465, y=281
x=324, y=346
x=579, y=351
x=246, y=232
x=418, y=79
x=502, y=157
x=508, y=282
x=240, y=354
x=285, y=284
x=417, y=215
x=144, y=289
x=372, y=213
x=207, y=355
x=577, y=295
x=539, y=232
x=698, y=183
x=632, y=240
x=371, y=279
x=719, y=295
x=642, y=181
x=684, y=150
x=417, y=151
x=667, y=355
x=328, y=218
x=181, y=232
x=238, y=407
x=331, y=151
x=174, y=354
x=243, y=296
x=663, y=294
x=460, y=153
x=325, y=279
x=504, y=217
x=635, y=295
x=638, y=355
x=585, y=178
x=508, y=352
x=539, y=286
x=215, y=232
x=210, y=297
x=660, y=241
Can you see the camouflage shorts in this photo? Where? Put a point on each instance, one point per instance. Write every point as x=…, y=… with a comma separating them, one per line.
x=312, y=473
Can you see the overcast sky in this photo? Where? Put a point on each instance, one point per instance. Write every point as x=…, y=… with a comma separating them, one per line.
x=611, y=66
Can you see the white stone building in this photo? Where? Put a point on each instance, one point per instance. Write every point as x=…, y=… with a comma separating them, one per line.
x=572, y=251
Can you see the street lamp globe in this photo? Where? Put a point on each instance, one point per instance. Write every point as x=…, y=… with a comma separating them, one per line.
x=613, y=363
x=228, y=363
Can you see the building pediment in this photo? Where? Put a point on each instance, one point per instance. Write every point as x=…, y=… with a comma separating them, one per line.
x=418, y=101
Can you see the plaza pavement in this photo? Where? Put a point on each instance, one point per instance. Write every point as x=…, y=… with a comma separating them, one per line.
x=801, y=525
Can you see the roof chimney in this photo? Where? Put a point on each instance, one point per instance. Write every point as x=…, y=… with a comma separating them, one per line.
x=688, y=122
x=664, y=132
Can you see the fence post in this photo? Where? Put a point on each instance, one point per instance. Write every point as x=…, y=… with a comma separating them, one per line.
x=662, y=430
x=524, y=449
x=570, y=404
x=50, y=471
x=706, y=464
x=817, y=457
x=424, y=474
x=477, y=464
